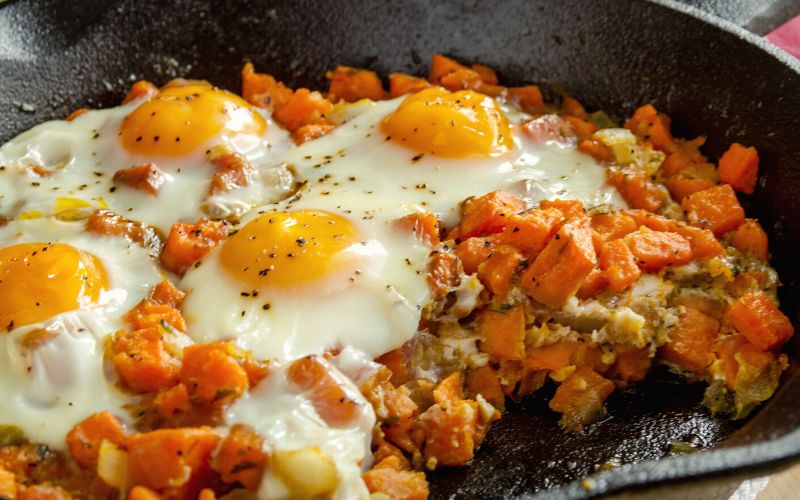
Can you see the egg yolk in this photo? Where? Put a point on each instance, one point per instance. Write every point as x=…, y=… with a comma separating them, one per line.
x=40, y=280
x=450, y=124
x=285, y=249
x=178, y=120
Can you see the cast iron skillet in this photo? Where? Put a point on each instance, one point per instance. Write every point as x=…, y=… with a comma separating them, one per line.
x=711, y=77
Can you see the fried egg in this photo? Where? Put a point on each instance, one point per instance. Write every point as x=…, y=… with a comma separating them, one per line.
x=64, y=292
x=60, y=166
x=327, y=268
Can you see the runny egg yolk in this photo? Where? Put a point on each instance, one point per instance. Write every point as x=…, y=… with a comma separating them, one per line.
x=40, y=280
x=450, y=124
x=179, y=120
x=280, y=249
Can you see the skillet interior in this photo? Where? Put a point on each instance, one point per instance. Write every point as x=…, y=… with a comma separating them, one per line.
x=56, y=56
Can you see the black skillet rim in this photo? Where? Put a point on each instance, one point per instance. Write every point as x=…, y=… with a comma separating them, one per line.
x=760, y=456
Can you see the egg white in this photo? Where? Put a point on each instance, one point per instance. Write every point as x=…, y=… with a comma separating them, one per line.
x=84, y=154
x=50, y=386
x=357, y=173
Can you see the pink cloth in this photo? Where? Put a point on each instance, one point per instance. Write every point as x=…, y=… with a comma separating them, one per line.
x=787, y=37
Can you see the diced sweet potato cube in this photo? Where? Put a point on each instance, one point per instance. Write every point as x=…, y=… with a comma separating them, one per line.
x=619, y=265
x=443, y=273
x=188, y=243
x=147, y=178
x=530, y=231
x=401, y=84
x=739, y=168
x=680, y=187
x=351, y=84
x=715, y=208
x=396, y=484
x=612, y=226
x=503, y=333
x=637, y=188
x=241, y=457
x=690, y=341
x=559, y=270
x=424, y=226
x=751, y=238
x=473, y=252
x=704, y=244
x=142, y=360
x=498, y=271
x=333, y=404
x=655, y=250
x=632, y=364
x=84, y=439
x=757, y=317
x=570, y=208
x=484, y=381
x=649, y=124
x=489, y=213
x=211, y=374
x=449, y=434
x=580, y=398
x=233, y=171
x=165, y=293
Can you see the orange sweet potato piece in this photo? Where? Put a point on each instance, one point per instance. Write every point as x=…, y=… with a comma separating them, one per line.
x=619, y=265
x=107, y=222
x=396, y=361
x=559, y=270
x=473, y=252
x=188, y=243
x=147, y=314
x=497, y=272
x=740, y=358
x=651, y=220
x=401, y=84
x=565, y=353
x=312, y=131
x=650, y=125
x=142, y=360
x=233, y=171
x=739, y=168
x=42, y=492
x=176, y=460
x=487, y=74
x=503, y=333
x=655, y=250
x=147, y=177
x=636, y=187
x=715, y=208
x=460, y=79
x=702, y=241
x=484, y=381
x=529, y=98
x=351, y=84
x=172, y=401
x=594, y=283
x=8, y=484
x=443, y=272
x=690, y=341
x=450, y=434
x=751, y=238
x=441, y=66
x=581, y=127
x=255, y=369
x=302, y=108
x=632, y=364
x=387, y=478
x=573, y=107
x=142, y=493
x=757, y=317
x=140, y=89
x=680, y=187
x=570, y=208
x=165, y=293
x=530, y=231
x=424, y=226
x=212, y=374
x=241, y=457
x=333, y=404
x=580, y=398
x=596, y=149
x=612, y=226
x=262, y=90
x=489, y=213
x=84, y=439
